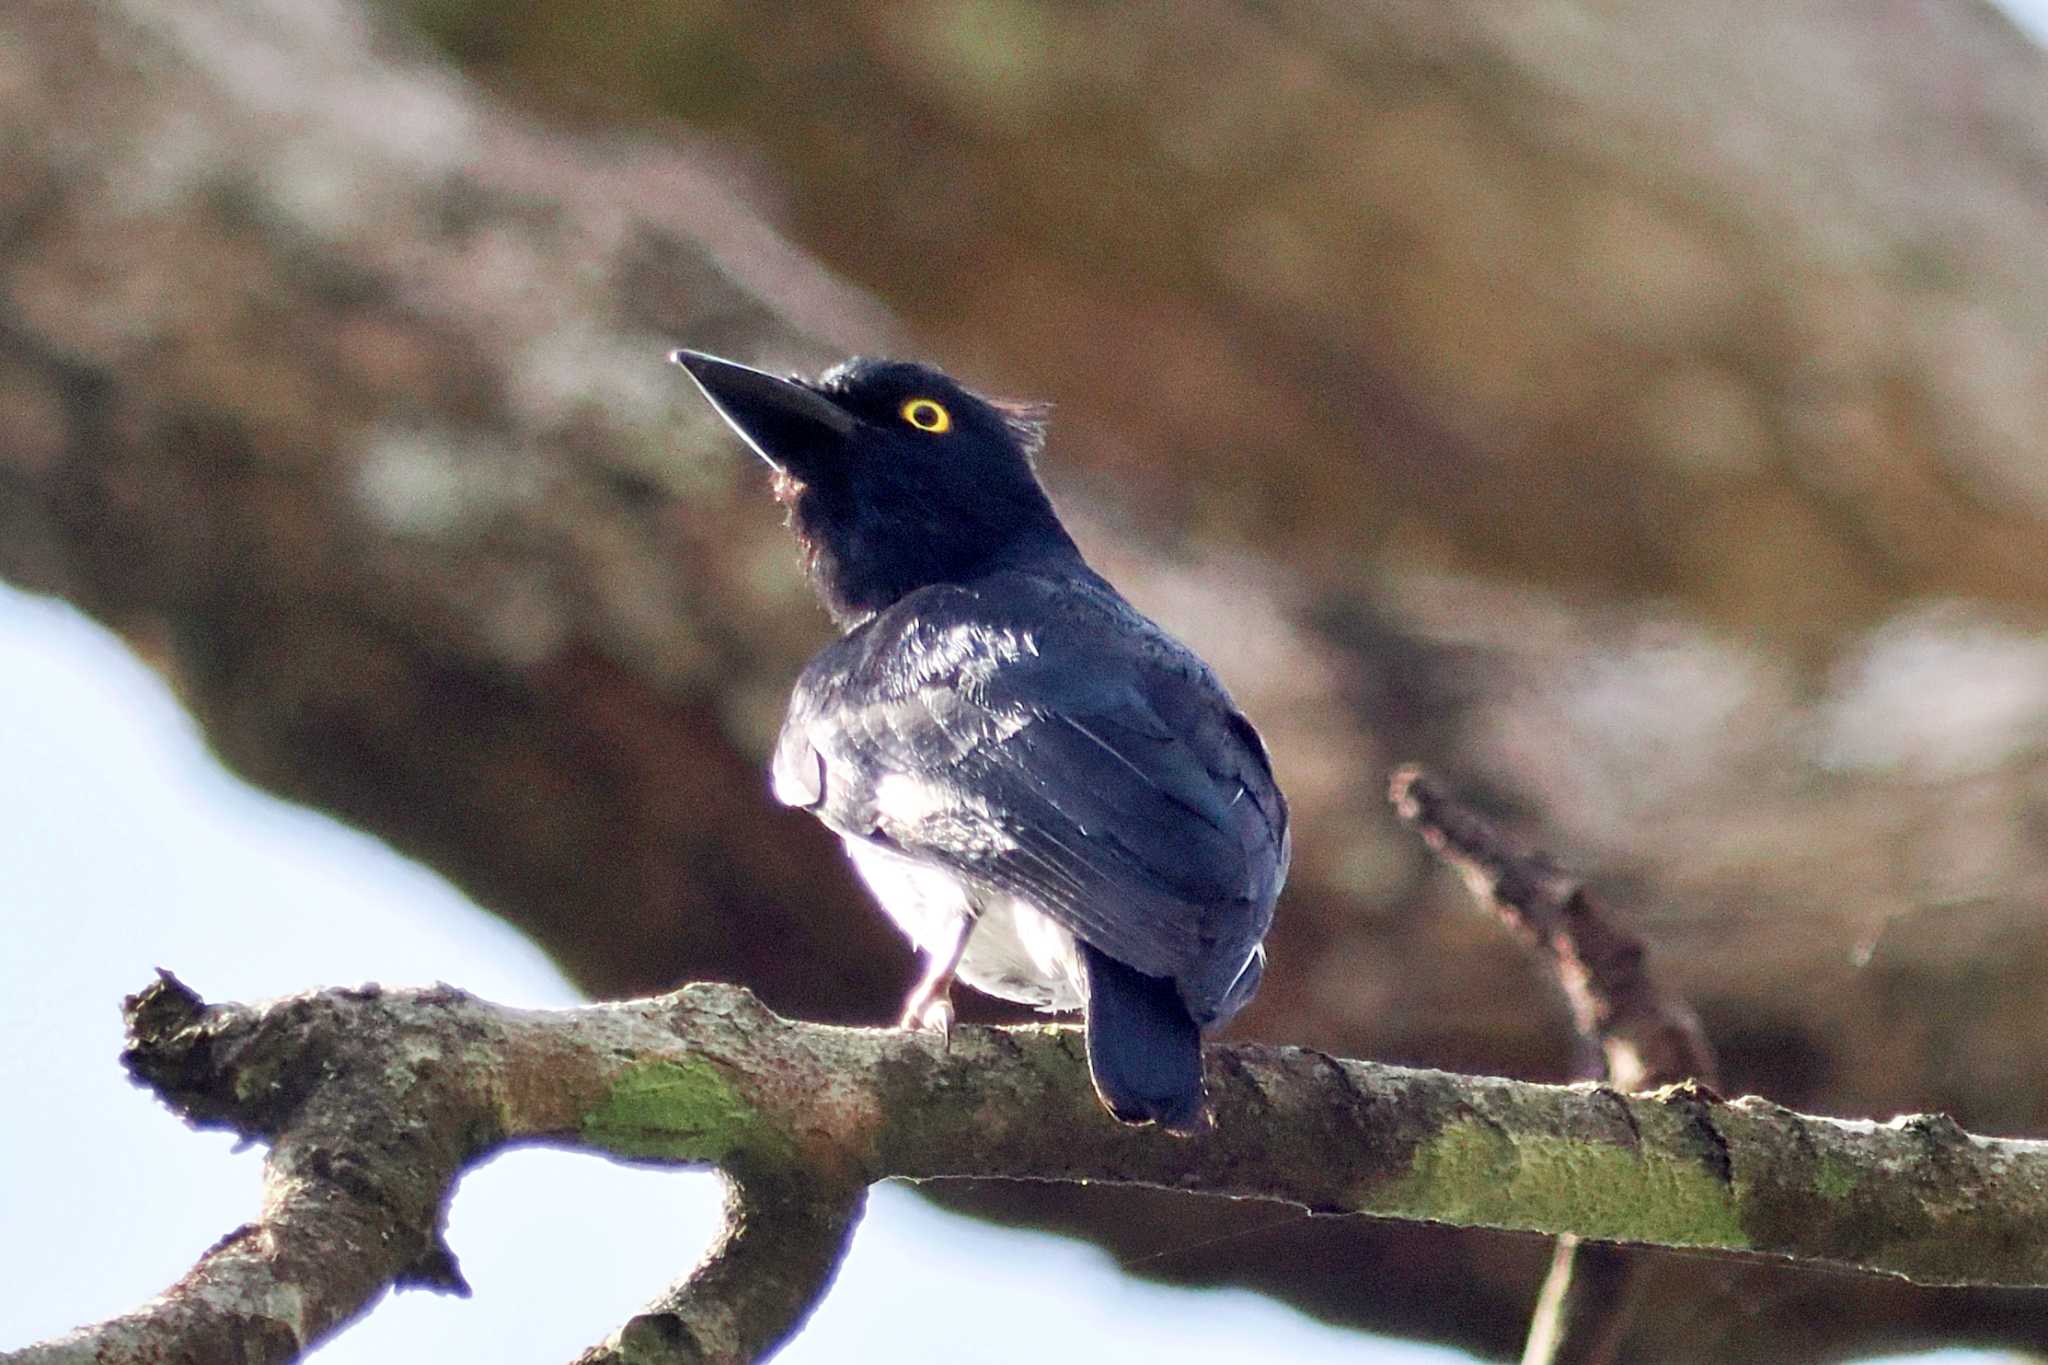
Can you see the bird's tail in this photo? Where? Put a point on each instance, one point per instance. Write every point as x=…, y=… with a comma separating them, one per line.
x=1144, y=1050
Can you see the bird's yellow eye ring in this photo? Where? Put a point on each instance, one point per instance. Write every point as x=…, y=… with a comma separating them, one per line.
x=927, y=415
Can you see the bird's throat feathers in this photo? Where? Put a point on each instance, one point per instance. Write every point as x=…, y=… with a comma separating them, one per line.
x=863, y=556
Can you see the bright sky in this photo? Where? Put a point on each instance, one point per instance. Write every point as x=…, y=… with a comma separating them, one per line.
x=123, y=846
x=2031, y=15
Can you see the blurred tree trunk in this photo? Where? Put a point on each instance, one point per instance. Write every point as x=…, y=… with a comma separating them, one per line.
x=1591, y=403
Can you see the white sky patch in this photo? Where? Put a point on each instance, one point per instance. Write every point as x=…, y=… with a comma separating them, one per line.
x=2030, y=15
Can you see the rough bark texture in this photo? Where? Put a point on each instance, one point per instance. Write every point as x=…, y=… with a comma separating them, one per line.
x=1590, y=402
x=374, y=1102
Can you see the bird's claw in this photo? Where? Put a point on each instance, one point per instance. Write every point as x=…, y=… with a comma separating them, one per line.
x=935, y=1014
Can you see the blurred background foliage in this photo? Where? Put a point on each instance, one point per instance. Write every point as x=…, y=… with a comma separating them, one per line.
x=1640, y=415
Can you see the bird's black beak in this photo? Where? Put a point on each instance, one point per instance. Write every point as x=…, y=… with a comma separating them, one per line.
x=787, y=424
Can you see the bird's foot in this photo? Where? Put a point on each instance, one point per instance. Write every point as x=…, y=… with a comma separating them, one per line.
x=934, y=1013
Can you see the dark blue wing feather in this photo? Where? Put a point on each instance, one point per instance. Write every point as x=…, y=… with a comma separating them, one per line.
x=1042, y=738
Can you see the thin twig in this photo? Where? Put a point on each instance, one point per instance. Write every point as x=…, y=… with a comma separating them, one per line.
x=1645, y=1035
x=1649, y=1035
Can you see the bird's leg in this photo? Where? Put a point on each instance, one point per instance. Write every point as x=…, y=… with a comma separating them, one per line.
x=930, y=1003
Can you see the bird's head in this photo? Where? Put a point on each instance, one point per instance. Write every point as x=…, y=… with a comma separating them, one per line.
x=896, y=477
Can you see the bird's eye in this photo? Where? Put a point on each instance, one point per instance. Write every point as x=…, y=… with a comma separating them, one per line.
x=926, y=415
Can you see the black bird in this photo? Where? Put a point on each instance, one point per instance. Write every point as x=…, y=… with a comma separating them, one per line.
x=1054, y=798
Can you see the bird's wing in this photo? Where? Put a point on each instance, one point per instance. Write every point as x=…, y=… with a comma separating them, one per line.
x=1079, y=759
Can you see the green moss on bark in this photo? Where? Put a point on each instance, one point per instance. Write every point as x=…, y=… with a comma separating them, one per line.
x=672, y=1111
x=1474, y=1173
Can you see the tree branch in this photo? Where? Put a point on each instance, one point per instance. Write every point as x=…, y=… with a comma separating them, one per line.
x=781, y=1244
x=374, y=1101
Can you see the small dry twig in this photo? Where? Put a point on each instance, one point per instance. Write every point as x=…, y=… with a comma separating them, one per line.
x=1646, y=1036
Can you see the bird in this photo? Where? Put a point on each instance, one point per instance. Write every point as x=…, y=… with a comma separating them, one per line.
x=1054, y=799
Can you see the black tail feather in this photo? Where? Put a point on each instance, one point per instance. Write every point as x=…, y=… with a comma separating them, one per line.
x=1144, y=1050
